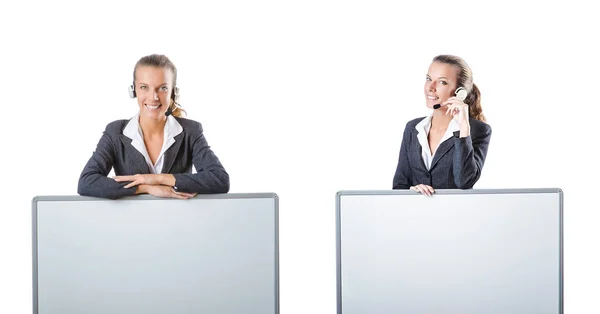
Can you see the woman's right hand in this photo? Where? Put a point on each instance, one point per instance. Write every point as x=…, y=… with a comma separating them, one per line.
x=423, y=189
x=163, y=191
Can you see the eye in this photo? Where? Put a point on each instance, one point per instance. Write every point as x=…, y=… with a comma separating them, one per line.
x=443, y=82
x=164, y=88
x=427, y=78
x=143, y=87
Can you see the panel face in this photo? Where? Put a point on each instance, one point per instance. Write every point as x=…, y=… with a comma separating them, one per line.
x=157, y=256
x=457, y=253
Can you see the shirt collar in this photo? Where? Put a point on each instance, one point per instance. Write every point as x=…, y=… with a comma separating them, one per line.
x=134, y=131
x=425, y=125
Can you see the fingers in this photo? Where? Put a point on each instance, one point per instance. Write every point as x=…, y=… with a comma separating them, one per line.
x=186, y=195
x=178, y=195
x=123, y=178
x=454, y=109
x=423, y=189
x=132, y=184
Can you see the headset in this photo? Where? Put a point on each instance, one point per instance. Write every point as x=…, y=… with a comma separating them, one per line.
x=174, y=97
x=461, y=93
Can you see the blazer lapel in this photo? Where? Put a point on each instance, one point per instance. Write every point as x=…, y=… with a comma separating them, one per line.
x=443, y=149
x=171, y=153
x=417, y=156
x=134, y=154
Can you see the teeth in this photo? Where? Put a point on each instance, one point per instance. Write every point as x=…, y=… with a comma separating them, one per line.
x=153, y=107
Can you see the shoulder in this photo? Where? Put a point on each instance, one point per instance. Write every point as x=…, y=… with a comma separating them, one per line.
x=116, y=127
x=412, y=123
x=190, y=126
x=480, y=128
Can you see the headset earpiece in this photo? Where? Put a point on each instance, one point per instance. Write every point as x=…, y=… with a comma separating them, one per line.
x=175, y=94
x=175, y=99
x=461, y=93
x=132, y=91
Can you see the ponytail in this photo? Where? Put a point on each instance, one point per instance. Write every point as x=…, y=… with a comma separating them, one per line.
x=474, y=102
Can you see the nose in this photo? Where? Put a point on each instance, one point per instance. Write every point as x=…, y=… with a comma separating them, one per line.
x=431, y=86
x=155, y=95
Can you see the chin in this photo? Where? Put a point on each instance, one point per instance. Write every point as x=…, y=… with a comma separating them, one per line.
x=153, y=115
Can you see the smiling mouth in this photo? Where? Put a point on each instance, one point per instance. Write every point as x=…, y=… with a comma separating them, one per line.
x=152, y=107
x=432, y=97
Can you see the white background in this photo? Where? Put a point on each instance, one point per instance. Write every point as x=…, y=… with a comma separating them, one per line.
x=303, y=98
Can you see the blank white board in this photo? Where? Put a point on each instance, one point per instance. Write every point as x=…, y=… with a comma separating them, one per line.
x=210, y=254
x=459, y=251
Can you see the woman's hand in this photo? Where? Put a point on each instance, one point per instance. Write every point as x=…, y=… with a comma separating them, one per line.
x=460, y=113
x=148, y=179
x=163, y=191
x=423, y=189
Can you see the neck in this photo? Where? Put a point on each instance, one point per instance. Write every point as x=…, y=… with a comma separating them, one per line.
x=152, y=127
x=440, y=119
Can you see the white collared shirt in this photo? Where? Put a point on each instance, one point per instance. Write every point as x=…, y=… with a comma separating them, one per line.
x=423, y=128
x=134, y=132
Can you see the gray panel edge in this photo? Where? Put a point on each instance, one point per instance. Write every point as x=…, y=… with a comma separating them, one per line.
x=561, y=308
x=150, y=197
x=450, y=191
x=34, y=255
x=338, y=253
x=277, y=306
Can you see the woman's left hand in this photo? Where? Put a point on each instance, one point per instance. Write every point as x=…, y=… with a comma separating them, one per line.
x=137, y=179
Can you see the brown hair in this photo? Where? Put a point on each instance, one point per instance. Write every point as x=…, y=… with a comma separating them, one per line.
x=161, y=61
x=465, y=80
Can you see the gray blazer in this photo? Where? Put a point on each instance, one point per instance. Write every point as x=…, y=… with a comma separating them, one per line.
x=115, y=150
x=456, y=164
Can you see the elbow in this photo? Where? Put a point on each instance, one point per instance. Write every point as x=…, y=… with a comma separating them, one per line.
x=464, y=186
x=223, y=185
x=83, y=188
x=466, y=182
x=399, y=186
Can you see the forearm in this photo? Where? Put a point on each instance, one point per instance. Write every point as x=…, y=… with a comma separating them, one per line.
x=465, y=130
x=142, y=189
x=159, y=179
x=469, y=157
x=466, y=170
x=215, y=180
x=167, y=179
x=97, y=185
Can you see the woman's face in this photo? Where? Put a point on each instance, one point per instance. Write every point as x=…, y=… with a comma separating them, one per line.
x=440, y=83
x=153, y=88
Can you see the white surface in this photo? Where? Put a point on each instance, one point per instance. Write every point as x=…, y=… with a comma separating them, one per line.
x=468, y=254
x=302, y=97
x=155, y=256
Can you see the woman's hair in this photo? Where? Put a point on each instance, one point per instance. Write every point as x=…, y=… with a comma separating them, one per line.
x=161, y=61
x=465, y=80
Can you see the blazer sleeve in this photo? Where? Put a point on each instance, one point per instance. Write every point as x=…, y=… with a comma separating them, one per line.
x=402, y=177
x=210, y=176
x=469, y=156
x=93, y=180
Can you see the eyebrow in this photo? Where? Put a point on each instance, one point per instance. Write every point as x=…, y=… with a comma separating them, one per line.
x=439, y=78
x=142, y=83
